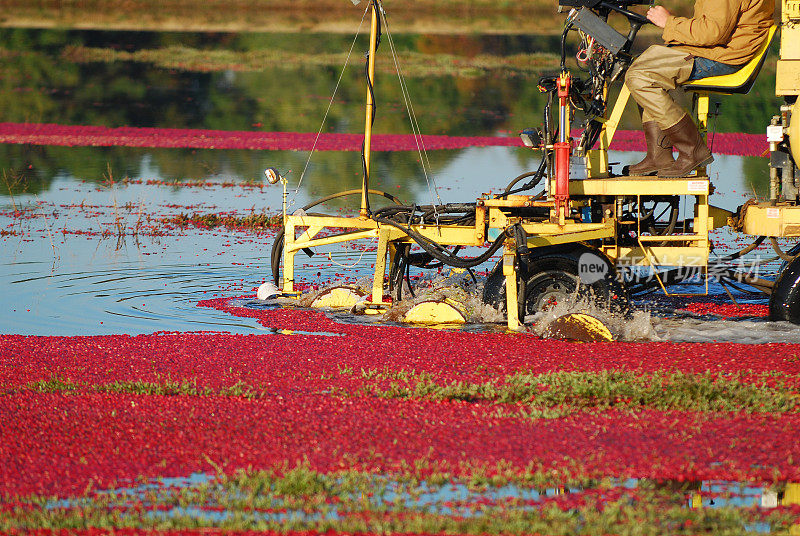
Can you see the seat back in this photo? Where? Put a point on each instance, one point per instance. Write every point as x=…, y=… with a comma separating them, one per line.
x=742, y=80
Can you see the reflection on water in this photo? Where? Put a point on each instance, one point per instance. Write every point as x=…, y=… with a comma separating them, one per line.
x=82, y=228
x=47, y=80
x=102, y=247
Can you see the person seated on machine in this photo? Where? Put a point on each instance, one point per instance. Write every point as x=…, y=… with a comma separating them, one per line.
x=719, y=39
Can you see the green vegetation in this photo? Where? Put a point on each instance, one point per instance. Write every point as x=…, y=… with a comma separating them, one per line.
x=430, y=16
x=300, y=498
x=548, y=395
x=413, y=63
x=164, y=386
x=253, y=222
x=575, y=390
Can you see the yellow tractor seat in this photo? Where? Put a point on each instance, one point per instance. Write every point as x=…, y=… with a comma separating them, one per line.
x=742, y=80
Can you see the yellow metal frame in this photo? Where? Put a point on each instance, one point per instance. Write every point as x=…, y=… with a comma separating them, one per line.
x=494, y=216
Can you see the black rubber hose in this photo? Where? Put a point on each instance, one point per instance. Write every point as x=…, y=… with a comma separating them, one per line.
x=437, y=252
x=538, y=175
x=779, y=251
x=745, y=251
x=567, y=28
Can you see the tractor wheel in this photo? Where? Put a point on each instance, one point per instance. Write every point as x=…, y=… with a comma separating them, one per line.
x=784, y=302
x=553, y=275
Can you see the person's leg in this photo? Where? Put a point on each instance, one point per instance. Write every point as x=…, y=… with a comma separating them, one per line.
x=650, y=78
x=704, y=67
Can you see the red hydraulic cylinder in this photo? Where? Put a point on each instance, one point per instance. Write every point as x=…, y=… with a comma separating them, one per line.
x=563, y=148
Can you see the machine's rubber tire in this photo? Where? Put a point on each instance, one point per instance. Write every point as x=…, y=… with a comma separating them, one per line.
x=784, y=302
x=551, y=273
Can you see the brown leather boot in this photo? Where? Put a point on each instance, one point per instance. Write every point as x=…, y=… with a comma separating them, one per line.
x=692, y=150
x=659, y=151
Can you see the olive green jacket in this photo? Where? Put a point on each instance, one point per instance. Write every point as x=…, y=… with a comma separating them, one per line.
x=728, y=31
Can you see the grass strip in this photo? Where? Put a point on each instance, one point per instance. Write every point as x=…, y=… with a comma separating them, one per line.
x=549, y=395
x=302, y=499
x=163, y=387
x=211, y=221
x=414, y=64
x=602, y=389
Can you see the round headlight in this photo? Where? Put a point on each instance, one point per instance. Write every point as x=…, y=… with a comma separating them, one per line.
x=272, y=175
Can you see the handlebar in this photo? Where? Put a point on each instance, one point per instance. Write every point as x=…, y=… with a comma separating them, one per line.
x=593, y=3
x=631, y=15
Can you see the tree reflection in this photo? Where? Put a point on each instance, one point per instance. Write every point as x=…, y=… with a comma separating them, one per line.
x=41, y=84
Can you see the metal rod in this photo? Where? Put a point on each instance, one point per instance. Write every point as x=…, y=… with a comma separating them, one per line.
x=373, y=45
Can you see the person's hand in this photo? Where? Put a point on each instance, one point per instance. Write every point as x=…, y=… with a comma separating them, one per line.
x=658, y=16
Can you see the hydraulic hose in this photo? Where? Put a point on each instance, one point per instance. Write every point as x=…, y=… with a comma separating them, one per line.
x=784, y=256
x=537, y=178
x=745, y=251
x=437, y=252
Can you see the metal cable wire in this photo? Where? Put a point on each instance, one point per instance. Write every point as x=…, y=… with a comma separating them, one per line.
x=328, y=109
x=415, y=128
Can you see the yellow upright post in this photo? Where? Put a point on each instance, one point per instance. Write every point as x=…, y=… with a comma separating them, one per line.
x=380, y=265
x=510, y=272
x=702, y=123
x=373, y=45
x=288, y=256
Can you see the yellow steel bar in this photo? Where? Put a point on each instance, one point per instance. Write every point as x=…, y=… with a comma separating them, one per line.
x=566, y=238
x=701, y=226
x=451, y=234
x=380, y=266
x=447, y=234
x=602, y=168
x=702, y=122
x=570, y=227
x=310, y=233
x=332, y=221
x=392, y=252
x=606, y=136
x=288, y=256
x=328, y=240
x=514, y=201
x=510, y=271
x=640, y=186
x=663, y=255
x=373, y=45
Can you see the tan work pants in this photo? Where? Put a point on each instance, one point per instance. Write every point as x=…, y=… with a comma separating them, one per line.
x=650, y=78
